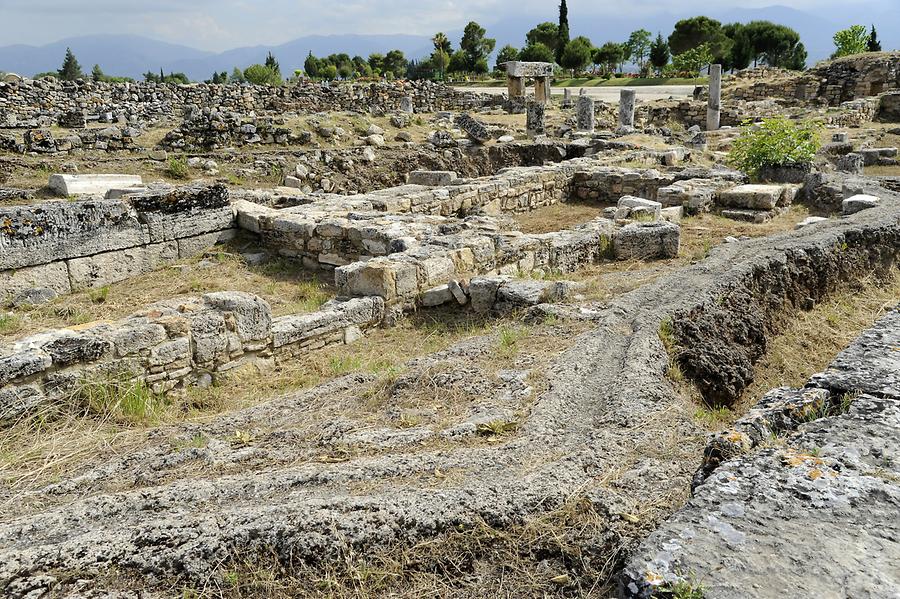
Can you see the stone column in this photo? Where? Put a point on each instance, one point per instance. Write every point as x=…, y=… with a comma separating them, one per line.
x=626, y=109
x=713, y=111
x=584, y=112
x=406, y=104
x=516, y=87
x=542, y=90
x=567, y=98
x=534, y=118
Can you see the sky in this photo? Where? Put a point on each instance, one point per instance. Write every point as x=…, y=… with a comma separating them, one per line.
x=217, y=25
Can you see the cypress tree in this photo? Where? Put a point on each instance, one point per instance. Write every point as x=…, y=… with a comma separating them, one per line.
x=563, y=35
x=70, y=70
x=872, y=44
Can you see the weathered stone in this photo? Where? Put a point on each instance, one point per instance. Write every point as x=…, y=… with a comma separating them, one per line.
x=752, y=197
x=644, y=241
x=71, y=185
x=432, y=178
x=111, y=267
x=585, y=117
x=534, y=118
x=858, y=203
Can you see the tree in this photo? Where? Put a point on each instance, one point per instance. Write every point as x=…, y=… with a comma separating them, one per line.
x=638, y=46
x=609, y=55
x=70, y=70
x=442, y=42
x=563, y=34
x=659, y=53
x=361, y=66
x=395, y=62
x=872, y=44
x=544, y=33
x=775, y=45
x=742, y=52
x=218, y=78
x=260, y=74
x=693, y=60
x=458, y=62
x=97, y=73
x=852, y=40
x=507, y=53
x=577, y=54
x=376, y=61
x=476, y=47
x=694, y=32
x=537, y=52
x=237, y=76
x=273, y=65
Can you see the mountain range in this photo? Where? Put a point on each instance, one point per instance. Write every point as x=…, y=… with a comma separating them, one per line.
x=133, y=55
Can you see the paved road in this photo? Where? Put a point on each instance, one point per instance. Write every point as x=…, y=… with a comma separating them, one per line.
x=609, y=94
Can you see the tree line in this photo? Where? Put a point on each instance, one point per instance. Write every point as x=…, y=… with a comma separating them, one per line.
x=693, y=44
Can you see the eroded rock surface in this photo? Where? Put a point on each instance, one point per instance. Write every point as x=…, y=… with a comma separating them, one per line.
x=815, y=514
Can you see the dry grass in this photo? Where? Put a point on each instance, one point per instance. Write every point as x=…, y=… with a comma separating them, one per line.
x=559, y=216
x=809, y=341
x=284, y=284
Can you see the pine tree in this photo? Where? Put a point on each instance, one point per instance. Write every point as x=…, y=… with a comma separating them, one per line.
x=659, y=53
x=97, y=73
x=273, y=65
x=70, y=70
x=563, y=35
x=872, y=44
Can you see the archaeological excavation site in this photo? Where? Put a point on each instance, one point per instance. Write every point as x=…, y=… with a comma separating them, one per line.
x=399, y=339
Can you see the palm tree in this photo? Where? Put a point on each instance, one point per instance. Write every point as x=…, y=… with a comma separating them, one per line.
x=442, y=49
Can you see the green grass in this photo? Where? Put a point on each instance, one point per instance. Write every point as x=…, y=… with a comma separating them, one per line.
x=177, y=168
x=9, y=323
x=121, y=398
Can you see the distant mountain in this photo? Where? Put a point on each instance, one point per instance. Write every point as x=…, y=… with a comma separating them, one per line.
x=131, y=55
x=123, y=55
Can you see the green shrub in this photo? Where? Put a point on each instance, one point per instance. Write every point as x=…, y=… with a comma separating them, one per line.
x=776, y=142
x=120, y=398
x=178, y=168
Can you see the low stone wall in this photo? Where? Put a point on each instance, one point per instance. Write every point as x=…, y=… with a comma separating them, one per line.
x=830, y=83
x=67, y=246
x=172, y=344
x=42, y=141
x=24, y=104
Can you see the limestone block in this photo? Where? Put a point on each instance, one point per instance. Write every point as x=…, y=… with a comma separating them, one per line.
x=634, y=204
x=475, y=129
x=859, y=203
x=53, y=276
x=70, y=347
x=135, y=335
x=18, y=401
x=335, y=316
x=252, y=314
x=165, y=226
x=811, y=220
x=750, y=216
x=248, y=214
x=373, y=277
x=522, y=69
x=437, y=296
x=432, y=178
x=584, y=113
x=483, y=292
x=22, y=364
x=111, y=267
x=169, y=352
x=752, y=197
x=51, y=231
x=643, y=241
x=208, y=338
x=71, y=185
x=194, y=246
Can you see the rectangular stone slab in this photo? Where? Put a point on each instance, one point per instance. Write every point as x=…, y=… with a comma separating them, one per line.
x=518, y=68
x=70, y=185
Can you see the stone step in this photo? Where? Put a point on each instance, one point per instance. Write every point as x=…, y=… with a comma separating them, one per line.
x=71, y=185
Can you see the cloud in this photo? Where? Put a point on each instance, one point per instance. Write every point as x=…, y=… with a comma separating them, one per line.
x=220, y=24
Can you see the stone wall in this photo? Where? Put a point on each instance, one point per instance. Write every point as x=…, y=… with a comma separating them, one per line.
x=829, y=83
x=42, y=141
x=172, y=344
x=29, y=104
x=67, y=246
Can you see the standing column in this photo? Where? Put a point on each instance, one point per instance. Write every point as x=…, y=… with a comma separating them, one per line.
x=542, y=89
x=534, y=118
x=584, y=113
x=714, y=110
x=516, y=87
x=626, y=109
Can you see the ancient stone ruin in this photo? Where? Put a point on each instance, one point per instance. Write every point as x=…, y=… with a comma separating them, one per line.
x=399, y=339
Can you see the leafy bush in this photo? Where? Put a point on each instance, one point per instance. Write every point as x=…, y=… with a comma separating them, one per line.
x=776, y=142
x=177, y=168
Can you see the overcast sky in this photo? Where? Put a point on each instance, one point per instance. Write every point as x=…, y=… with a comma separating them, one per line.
x=220, y=24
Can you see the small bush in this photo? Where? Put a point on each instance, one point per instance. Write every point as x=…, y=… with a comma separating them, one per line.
x=178, y=168
x=120, y=398
x=776, y=142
